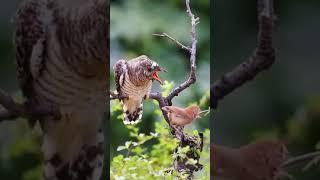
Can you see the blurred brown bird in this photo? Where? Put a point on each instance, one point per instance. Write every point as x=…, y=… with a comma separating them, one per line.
x=182, y=116
x=256, y=161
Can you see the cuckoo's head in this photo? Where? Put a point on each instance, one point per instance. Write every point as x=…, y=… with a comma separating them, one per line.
x=151, y=68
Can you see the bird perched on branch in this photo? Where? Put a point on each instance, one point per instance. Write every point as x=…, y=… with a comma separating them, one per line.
x=183, y=116
x=134, y=79
x=62, y=55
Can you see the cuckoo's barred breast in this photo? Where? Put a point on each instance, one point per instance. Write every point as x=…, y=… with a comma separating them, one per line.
x=62, y=60
x=133, y=107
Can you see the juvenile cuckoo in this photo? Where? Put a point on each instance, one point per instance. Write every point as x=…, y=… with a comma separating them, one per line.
x=134, y=79
x=62, y=56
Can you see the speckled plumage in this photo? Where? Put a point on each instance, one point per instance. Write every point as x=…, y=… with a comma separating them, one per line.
x=62, y=55
x=135, y=81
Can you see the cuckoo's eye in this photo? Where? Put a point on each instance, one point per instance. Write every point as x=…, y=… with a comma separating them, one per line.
x=152, y=68
x=149, y=68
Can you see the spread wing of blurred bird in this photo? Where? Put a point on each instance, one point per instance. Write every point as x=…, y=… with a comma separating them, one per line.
x=259, y=160
x=62, y=55
x=182, y=116
x=134, y=79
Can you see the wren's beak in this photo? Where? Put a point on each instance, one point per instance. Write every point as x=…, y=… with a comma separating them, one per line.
x=198, y=116
x=156, y=76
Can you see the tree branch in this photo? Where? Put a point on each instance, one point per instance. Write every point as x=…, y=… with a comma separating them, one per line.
x=15, y=110
x=174, y=40
x=261, y=59
x=192, y=78
x=300, y=159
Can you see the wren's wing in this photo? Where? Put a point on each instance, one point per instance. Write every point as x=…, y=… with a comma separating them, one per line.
x=264, y=158
x=176, y=111
x=120, y=69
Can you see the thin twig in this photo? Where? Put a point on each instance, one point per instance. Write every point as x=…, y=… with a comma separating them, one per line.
x=300, y=159
x=174, y=40
x=261, y=59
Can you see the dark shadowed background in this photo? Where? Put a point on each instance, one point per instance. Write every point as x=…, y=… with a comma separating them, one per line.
x=282, y=102
x=20, y=155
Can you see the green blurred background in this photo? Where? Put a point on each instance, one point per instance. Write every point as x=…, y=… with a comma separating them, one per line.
x=282, y=102
x=132, y=26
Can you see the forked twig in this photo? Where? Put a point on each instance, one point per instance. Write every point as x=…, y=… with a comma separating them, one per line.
x=12, y=110
x=174, y=40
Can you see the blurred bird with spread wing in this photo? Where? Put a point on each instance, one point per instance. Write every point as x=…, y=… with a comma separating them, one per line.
x=62, y=55
x=134, y=80
x=182, y=116
x=258, y=160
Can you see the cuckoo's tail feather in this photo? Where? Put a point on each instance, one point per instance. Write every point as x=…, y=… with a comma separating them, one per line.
x=73, y=152
x=132, y=112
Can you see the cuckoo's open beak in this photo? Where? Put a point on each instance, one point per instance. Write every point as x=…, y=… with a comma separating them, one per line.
x=156, y=76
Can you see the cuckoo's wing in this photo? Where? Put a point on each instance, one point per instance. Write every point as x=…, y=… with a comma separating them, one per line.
x=120, y=69
x=29, y=42
x=82, y=34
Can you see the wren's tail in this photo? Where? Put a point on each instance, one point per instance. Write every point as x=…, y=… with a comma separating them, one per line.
x=132, y=111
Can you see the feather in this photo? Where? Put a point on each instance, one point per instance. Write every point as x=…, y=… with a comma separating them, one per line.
x=62, y=60
x=259, y=160
x=182, y=116
x=133, y=79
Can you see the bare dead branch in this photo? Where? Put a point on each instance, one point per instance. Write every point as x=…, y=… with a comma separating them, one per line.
x=174, y=40
x=186, y=140
x=261, y=59
x=13, y=110
x=192, y=78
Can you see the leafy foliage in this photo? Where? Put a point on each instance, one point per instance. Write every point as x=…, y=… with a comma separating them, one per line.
x=151, y=156
x=139, y=162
